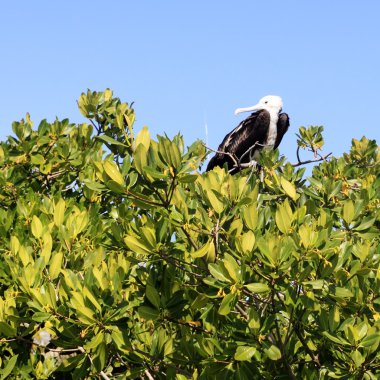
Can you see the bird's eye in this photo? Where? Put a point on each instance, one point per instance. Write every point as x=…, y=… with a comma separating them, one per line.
x=266, y=102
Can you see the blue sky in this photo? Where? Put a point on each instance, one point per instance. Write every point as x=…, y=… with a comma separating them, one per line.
x=187, y=63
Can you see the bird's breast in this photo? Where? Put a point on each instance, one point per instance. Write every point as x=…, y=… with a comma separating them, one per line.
x=272, y=132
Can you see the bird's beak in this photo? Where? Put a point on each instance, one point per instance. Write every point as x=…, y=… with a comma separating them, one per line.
x=256, y=107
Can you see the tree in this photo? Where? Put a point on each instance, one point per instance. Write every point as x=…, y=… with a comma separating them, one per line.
x=119, y=259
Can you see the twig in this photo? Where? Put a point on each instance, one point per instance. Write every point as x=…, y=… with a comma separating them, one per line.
x=299, y=163
x=192, y=242
x=215, y=235
x=173, y=261
x=314, y=358
x=101, y=373
x=148, y=375
x=241, y=311
x=143, y=199
x=237, y=164
x=281, y=344
x=231, y=155
x=249, y=150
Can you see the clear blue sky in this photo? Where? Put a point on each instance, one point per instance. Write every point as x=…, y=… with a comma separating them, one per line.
x=186, y=62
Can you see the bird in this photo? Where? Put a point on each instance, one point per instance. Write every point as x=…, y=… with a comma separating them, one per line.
x=263, y=129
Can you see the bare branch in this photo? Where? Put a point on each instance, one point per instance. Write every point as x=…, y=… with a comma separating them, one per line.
x=148, y=375
x=237, y=161
x=192, y=242
x=299, y=163
x=101, y=373
x=298, y=154
x=241, y=311
x=251, y=148
x=231, y=155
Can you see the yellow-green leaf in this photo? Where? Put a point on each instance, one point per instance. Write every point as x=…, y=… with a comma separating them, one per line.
x=201, y=251
x=273, y=352
x=284, y=217
x=251, y=216
x=334, y=318
x=136, y=245
x=232, y=267
x=227, y=304
x=289, y=188
x=257, y=287
x=348, y=211
x=244, y=353
x=153, y=296
x=55, y=265
x=215, y=202
x=248, y=241
x=113, y=172
x=36, y=226
x=143, y=137
x=59, y=212
x=15, y=244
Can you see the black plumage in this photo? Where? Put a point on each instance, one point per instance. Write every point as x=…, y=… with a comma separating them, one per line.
x=251, y=136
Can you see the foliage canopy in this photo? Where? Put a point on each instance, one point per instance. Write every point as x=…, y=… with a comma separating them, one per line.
x=120, y=260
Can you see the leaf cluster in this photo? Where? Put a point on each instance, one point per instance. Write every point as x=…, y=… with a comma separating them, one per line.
x=134, y=264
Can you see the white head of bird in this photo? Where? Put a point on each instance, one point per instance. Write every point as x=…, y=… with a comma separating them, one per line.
x=271, y=103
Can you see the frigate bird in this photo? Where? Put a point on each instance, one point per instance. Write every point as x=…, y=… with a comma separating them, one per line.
x=263, y=129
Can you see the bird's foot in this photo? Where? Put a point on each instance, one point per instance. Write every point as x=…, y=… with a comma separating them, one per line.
x=252, y=164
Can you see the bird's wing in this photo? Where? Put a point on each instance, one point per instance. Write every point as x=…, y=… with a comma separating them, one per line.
x=253, y=129
x=282, y=127
x=239, y=140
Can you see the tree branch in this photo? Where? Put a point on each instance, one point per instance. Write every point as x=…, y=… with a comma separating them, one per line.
x=322, y=158
x=231, y=155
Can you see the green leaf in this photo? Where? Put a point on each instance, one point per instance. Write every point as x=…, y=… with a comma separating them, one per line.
x=95, y=186
x=14, y=244
x=258, y=287
x=357, y=357
x=348, y=211
x=254, y=319
x=334, y=318
x=284, y=217
x=59, y=212
x=136, y=245
x=316, y=284
x=215, y=201
x=250, y=216
x=201, y=251
x=55, y=265
x=248, y=242
x=37, y=159
x=232, y=267
x=244, y=353
x=227, y=304
x=140, y=156
x=219, y=272
x=110, y=140
x=342, y=292
x=169, y=152
x=289, y=188
x=36, y=226
x=273, y=352
x=113, y=172
x=153, y=296
x=143, y=137
x=7, y=330
x=335, y=339
x=365, y=224
x=7, y=370
x=89, y=296
x=148, y=313
x=308, y=235
x=371, y=340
